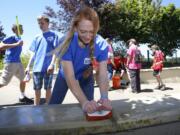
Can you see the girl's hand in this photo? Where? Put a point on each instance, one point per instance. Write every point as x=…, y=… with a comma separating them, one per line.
x=105, y=104
x=90, y=106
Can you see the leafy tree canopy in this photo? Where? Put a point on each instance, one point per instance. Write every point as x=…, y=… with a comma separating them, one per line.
x=2, y=34
x=145, y=20
x=62, y=18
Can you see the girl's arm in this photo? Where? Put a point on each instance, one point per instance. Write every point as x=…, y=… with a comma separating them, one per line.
x=104, y=85
x=103, y=77
x=73, y=84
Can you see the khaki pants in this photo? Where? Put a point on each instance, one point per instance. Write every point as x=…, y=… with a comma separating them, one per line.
x=11, y=69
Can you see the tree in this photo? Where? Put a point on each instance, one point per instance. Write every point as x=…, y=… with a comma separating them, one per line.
x=2, y=35
x=133, y=18
x=62, y=18
x=166, y=32
x=145, y=20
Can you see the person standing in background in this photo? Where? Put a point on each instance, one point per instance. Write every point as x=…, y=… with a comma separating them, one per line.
x=43, y=64
x=110, y=59
x=134, y=65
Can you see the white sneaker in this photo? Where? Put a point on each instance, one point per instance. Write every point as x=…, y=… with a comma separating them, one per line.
x=163, y=87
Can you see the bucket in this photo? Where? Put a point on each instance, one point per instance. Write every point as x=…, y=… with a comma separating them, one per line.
x=116, y=81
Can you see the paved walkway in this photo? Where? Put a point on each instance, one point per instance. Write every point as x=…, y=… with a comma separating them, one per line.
x=130, y=111
x=9, y=94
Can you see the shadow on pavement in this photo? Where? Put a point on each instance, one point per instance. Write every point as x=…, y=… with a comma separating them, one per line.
x=13, y=105
x=42, y=101
x=168, y=88
x=147, y=90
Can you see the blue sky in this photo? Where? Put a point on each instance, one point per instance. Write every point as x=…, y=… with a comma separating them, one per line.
x=27, y=12
x=175, y=2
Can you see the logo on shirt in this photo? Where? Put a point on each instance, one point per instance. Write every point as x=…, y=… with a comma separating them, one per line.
x=87, y=61
x=51, y=38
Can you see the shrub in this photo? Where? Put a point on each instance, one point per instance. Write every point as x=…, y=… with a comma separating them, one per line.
x=24, y=59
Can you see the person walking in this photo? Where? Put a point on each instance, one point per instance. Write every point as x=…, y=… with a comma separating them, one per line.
x=157, y=66
x=12, y=62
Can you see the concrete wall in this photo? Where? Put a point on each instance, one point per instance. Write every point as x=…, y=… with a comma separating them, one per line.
x=168, y=75
x=70, y=120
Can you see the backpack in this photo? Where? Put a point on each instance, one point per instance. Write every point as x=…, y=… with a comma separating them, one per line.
x=138, y=57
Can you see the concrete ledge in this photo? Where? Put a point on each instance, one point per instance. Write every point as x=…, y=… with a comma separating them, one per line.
x=168, y=75
x=54, y=119
x=69, y=119
x=171, y=74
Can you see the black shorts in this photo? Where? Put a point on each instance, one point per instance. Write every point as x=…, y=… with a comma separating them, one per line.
x=156, y=72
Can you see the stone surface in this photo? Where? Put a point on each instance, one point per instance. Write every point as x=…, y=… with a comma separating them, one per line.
x=69, y=118
x=64, y=119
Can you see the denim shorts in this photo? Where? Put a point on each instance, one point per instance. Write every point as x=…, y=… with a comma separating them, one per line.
x=110, y=71
x=39, y=77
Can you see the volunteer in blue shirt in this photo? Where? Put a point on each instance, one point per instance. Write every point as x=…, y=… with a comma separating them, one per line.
x=12, y=61
x=80, y=46
x=42, y=63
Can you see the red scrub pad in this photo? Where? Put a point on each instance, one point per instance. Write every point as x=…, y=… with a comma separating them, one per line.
x=99, y=115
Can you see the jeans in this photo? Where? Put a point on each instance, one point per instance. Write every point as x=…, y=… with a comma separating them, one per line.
x=110, y=71
x=135, y=79
x=60, y=89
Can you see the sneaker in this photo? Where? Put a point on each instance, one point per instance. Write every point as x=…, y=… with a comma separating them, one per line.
x=26, y=100
x=110, y=89
x=134, y=91
x=158, y=87
x=163, y=87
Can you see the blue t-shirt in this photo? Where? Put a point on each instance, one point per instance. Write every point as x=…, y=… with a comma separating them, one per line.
x=42, y=45
x=12, y=54
x=80, y=57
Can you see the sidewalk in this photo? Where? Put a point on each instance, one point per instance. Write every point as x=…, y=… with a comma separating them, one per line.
x=137, y=114
x=10, y=93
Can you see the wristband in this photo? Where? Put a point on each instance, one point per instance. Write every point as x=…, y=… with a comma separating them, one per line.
x=104, y=95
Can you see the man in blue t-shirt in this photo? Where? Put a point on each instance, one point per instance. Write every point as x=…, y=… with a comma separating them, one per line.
x=12, y=61
x=43, y=66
